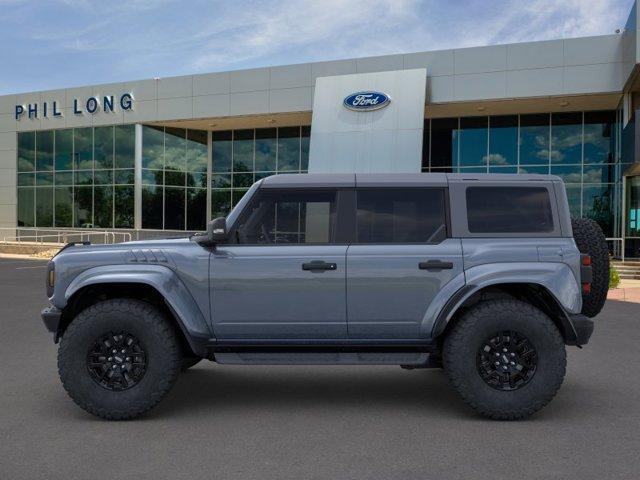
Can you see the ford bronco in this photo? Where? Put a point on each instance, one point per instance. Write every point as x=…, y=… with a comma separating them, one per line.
x=486, y=276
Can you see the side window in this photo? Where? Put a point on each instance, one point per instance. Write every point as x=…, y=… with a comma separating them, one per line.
x=509, y=210
x=288, y=217
x=401, y=215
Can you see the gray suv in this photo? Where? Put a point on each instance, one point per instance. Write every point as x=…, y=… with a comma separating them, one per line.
x=482, y=275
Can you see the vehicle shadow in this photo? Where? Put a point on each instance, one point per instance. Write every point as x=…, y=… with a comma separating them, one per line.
x=287, y=388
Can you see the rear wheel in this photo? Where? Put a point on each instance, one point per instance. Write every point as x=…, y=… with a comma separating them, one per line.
x=590, y=240
x=119, y=358
x=506, y=359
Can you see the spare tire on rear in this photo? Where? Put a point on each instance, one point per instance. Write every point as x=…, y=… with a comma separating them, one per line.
x=590, y=240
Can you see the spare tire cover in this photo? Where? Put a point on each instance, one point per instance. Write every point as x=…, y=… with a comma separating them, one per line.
x=590, y=240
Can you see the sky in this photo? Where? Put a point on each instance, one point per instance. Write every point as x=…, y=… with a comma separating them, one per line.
x=50, y=44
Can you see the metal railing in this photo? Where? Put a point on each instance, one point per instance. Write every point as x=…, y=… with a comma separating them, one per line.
x=618, y=247
x=43, y=236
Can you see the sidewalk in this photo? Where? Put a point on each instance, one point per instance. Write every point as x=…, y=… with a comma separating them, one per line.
x=627, y=291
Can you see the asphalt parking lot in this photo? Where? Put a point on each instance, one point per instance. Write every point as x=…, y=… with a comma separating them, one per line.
x=236, y=422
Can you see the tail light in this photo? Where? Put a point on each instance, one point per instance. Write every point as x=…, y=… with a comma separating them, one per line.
x=586, y=274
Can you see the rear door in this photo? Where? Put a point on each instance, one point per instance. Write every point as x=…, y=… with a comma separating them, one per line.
x=401, y=259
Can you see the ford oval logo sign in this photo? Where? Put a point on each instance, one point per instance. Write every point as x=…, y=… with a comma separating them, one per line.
x=366, y=101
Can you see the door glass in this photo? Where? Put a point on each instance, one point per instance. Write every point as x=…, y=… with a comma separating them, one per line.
x=394, y=215
x=633, y=207
x=288, y=217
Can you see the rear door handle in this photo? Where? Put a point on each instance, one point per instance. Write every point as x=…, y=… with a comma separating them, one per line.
x=435, y=265
x=319, y=266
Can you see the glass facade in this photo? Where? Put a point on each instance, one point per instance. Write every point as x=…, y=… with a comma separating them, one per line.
x=77, y=178
x=85, y=177
x=580, y=147
x=174, y=178
x=241, y=157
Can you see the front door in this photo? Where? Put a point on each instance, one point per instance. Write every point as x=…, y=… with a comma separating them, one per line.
x=401, y=260
x=283, y=275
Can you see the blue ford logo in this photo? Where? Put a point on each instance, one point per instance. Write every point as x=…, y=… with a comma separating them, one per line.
x=364, y=101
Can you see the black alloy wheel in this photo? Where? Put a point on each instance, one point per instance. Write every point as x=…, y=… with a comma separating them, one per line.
x=117, y=361
x=507, y=361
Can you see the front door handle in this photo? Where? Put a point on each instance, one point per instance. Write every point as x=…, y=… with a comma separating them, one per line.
x=319, y=266
x=435, y=265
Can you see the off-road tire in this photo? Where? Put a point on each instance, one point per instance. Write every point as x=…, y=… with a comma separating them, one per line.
x=466, y=338
x=154, y=332
x=590, y=240
x=188, y=362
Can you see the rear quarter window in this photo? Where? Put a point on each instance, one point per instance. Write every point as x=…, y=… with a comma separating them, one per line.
x=509, y=210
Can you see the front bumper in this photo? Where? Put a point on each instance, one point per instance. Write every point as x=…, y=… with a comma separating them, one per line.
x=51, y=318
x=583, y=326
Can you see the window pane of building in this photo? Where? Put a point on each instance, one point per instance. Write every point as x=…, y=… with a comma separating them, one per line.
x=152, y=177
x=152, y=198
x=26, y=151
x=152, y=147
x=175, y=151
x=569, y=174
x=597, y=204
x=44, y=150
x=44, y=207
x=221, y=181
x=103, y=147
x=123, y=198
x=103, y=207
x=566, y=138
x=574, y=196
x=83, y=177
x=26, y=179
x=197, y=151
x=243, y=150
x=222, y=146
x=196, y=208
x=174, y=208
x=599, y=173
x=83, y=148
x=401, y=215
x=444, y=147
x=305, y=139
x=64, y=150
x=288, y=149
x=125, y=146
x=123, y=177
x=83, y=206
x=103, y=177
x=599, y=138
x=26, y=205
x=197, y=179
x=44, y=179
x=220, y=203
x=503, y=140
x=63, y=197
x=534, y=139
x=473, y=137
x=266, y=147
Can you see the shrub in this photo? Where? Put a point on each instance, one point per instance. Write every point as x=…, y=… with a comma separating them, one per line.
x=614, y=277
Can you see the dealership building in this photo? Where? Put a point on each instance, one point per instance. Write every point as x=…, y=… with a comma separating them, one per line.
x=153, y=157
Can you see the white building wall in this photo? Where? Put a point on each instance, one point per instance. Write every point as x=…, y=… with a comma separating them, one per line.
x=384, y=140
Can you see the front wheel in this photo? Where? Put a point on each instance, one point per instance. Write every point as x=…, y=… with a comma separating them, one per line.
x=119, y=358
x=506, y=358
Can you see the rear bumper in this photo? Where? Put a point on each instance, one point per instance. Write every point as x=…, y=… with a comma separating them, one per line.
x=51, y=319
x=583, y=326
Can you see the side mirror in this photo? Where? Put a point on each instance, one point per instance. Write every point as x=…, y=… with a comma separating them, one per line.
x=216, y=232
